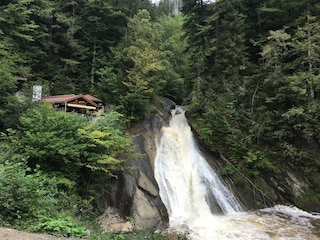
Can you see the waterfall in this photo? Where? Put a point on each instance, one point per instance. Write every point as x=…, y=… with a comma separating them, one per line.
x=186, y=180
x=199, y=203
x=176, y=6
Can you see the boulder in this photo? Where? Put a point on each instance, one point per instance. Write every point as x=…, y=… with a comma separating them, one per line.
x=145, y=214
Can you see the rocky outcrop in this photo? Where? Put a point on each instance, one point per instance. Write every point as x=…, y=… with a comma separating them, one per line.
x=136, y=194
x=147, y=209
x=292, y=187
x=144, y=213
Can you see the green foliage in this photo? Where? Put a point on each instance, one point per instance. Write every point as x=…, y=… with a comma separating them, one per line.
x=33, y=200
x=257, y=110
x=149, y=63
x=106, y=149
x=228, y=170
x=107, y=146
x=64, y=143
x=22, y=197
x=25, y=194
x=10, y=68
x=49, y=138
x=142, y=81
x=173, y=50
x=60, y=225
x=47, y=198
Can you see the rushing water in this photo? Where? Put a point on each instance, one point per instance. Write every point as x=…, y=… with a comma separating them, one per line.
x=201, y=206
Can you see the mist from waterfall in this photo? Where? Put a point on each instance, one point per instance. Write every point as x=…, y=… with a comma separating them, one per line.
x=200, y=205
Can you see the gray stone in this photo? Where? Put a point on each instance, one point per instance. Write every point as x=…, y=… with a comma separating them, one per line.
x=145, y=214
x=147, y=185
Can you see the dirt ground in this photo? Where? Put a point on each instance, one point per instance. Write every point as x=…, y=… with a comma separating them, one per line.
x=12, y=234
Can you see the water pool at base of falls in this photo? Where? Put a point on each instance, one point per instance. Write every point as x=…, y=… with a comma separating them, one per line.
x=279, y=222
x=192, y=191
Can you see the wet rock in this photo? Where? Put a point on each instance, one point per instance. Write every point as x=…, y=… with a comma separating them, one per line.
x=145, y=184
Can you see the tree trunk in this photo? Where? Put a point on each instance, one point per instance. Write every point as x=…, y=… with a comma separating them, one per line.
x=311, y=90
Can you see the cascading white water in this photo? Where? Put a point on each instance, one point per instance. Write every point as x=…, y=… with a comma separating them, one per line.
x=176, y=6
x=187, y=184
x=185, y=177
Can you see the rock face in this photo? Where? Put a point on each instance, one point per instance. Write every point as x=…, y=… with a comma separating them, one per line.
x=147, y=208
x=136, y=195
x=291, y=187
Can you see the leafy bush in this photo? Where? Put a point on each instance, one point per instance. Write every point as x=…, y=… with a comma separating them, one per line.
x=57, y=168
x=22, y=195
x=49, y=138
x=64, y=144
x=60, y=225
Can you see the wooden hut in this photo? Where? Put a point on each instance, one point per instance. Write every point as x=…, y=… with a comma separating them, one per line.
x=81, y=104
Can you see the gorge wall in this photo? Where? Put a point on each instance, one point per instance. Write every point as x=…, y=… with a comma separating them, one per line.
x=136, y=194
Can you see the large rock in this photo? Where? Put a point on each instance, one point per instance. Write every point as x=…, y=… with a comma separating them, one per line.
x=145, y=214
x=147, y=208
x=136, y=194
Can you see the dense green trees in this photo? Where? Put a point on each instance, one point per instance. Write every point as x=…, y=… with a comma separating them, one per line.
x=218, y=40
x=256, y=85
x=11, y=66
x=148, y=63
x=143, y=80
x=72, y=47
x=66, y=41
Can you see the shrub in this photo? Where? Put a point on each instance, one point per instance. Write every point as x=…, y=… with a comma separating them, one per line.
x=22, y=195
x=60, y=225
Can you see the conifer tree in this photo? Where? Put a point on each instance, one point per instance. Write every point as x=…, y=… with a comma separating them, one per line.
x=142, y=81
x=217, y=36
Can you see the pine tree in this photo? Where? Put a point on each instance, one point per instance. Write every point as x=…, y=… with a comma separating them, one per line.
x=142, y=82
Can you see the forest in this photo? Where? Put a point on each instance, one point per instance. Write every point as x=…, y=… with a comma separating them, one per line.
x=248, y=71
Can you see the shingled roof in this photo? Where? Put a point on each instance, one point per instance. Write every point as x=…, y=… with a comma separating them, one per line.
x=72, y=100
x=70, y=97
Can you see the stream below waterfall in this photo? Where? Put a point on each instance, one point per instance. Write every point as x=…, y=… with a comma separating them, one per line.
x=201, y=206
